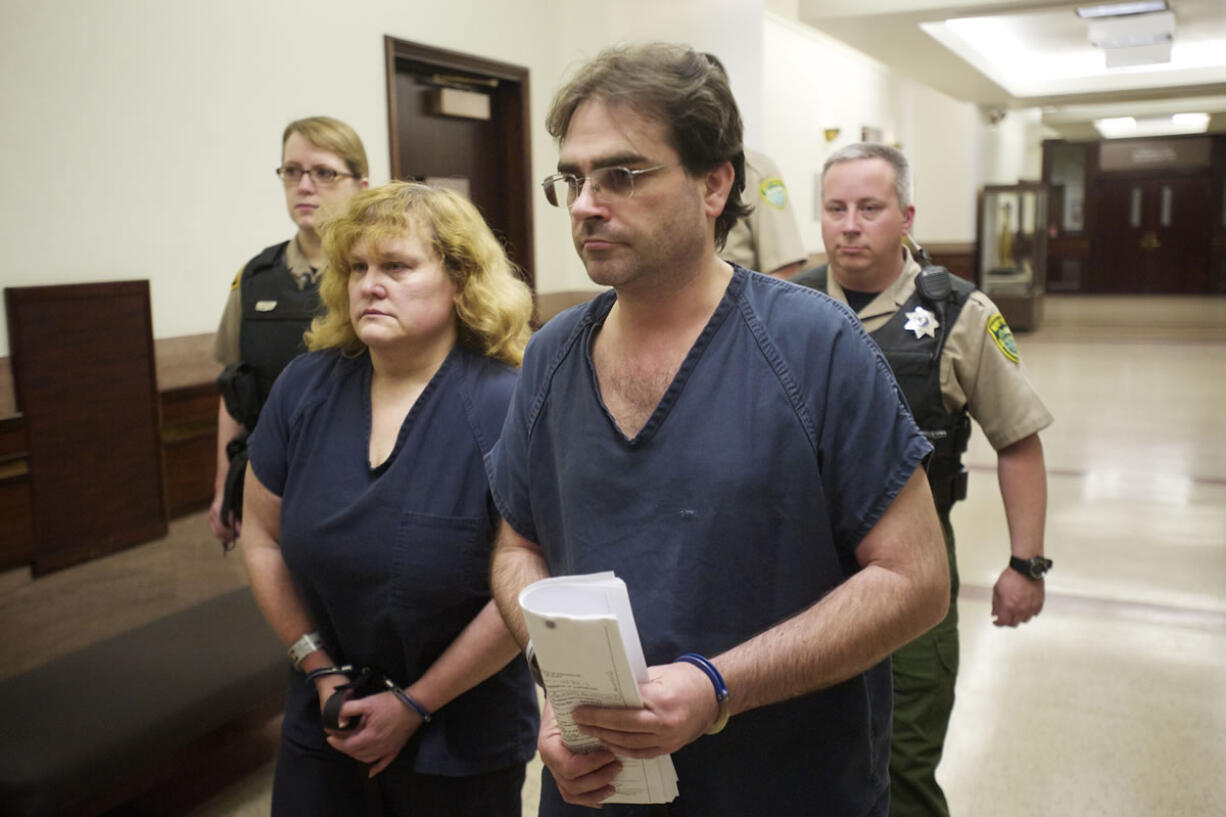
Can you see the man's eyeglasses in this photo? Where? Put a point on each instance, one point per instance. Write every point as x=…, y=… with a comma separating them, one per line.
x=292, y=174
x=613, y=182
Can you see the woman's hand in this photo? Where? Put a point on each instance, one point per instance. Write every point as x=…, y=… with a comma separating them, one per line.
x=224, y=529
x=582, y=780
x=384, y=726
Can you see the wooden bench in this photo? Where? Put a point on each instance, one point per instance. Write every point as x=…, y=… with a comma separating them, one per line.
x=113, y=721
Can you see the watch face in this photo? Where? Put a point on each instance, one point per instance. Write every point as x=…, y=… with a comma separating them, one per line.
x=1039, y=566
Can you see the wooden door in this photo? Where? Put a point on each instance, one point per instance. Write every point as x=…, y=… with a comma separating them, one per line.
x=1151, y=236
x=488, y=158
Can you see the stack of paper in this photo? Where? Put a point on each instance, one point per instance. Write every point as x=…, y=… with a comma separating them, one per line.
x=588, y=649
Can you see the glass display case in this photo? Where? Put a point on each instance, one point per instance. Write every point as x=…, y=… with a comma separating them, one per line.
x=1012, y=250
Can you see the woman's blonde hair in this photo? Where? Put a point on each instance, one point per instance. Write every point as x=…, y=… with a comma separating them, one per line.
x=492, y=304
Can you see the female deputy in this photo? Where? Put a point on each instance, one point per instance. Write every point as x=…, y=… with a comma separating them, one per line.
x=368, y=520
x=276, y=294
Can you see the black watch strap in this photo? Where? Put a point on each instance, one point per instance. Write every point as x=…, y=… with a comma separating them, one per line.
x=1035, y=567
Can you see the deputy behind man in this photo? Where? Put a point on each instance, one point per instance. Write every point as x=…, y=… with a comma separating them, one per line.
x=954, y=356
x=624, y=450
x=275, y=296
x=767, y=240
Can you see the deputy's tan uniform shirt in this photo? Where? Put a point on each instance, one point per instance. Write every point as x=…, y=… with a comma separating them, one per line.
x=976, y=368
x=768, y=238
x=225, y=342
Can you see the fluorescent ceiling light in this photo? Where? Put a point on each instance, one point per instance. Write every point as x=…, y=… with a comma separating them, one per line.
x=1117, y=127
x=1002, y=48
x=1191, y=120
x=1114, y=127
x=1122, y=9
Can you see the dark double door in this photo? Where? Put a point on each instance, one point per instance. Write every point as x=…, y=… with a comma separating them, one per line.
x=1151, y=235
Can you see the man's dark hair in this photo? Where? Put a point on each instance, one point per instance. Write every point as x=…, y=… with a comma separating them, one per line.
x=679, y=87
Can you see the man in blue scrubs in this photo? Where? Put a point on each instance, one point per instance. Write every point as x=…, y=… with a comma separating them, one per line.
x=735, y=448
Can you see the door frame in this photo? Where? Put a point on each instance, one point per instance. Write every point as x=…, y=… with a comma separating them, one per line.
x=511, y=110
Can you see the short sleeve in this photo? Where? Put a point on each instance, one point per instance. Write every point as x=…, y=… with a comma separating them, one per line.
x=507, y=463
x=983, y=370
x=268, y=446
x=225, y=341
x=773, y=221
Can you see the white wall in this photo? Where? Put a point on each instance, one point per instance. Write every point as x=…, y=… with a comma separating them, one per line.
x=812, y=82
x=138, y=137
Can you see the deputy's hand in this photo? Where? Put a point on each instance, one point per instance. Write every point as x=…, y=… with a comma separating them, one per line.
x=384, y=727
x=582, y=780
x=678, y=707
x=1016, y=599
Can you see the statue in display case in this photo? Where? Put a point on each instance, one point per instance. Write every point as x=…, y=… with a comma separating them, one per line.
x=1012, y=250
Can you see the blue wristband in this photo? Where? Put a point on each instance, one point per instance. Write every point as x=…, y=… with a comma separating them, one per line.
x=408, y=700
x=721, y=689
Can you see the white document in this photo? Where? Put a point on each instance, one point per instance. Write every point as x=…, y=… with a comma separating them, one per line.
x=588, y=649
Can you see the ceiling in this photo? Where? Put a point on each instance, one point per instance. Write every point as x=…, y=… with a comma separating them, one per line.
x=1006, y=54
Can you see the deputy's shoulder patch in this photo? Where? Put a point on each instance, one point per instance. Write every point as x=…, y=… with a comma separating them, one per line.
x=1002, y=335
x=774, y=192
x=234, y=283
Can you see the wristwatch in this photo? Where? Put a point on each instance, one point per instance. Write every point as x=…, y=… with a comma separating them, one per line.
x=1033, y=568
x=300, y=649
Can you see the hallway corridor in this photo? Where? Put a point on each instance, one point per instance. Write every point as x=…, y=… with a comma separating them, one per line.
x=1111, y=702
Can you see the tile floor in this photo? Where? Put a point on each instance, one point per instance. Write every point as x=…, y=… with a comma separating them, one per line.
x=1110, y=703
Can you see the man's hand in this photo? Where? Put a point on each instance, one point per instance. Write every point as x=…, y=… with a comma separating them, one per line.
x=678, y=707
x=384, y=727
x=582, y=780
x=1015, y=599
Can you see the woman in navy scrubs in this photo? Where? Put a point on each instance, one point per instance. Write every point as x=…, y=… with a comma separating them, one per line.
x=368, y=520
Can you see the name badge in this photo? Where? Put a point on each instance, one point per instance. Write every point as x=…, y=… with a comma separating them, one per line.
x=265, y=306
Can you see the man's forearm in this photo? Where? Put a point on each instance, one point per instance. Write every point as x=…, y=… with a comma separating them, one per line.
x=901, y=591
x=516, y=563
x=852, y=629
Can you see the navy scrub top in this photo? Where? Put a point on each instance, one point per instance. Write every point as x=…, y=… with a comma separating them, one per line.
x=779, y=444
x=392, y=562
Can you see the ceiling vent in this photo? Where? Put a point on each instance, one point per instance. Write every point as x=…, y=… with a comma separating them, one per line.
x=1134, y=39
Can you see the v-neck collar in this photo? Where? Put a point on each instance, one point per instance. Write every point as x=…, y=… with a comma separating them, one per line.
x=414, y=412
x=596, y=319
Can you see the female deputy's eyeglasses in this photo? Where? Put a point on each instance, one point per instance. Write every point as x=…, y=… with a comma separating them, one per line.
x=291, y=174
x=613, y=182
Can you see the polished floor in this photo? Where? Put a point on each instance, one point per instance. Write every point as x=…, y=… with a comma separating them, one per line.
x=1112, y=702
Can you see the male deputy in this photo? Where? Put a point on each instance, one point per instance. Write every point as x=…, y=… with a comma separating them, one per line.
x=767, y=240
x=953, y=355
x=795, y=558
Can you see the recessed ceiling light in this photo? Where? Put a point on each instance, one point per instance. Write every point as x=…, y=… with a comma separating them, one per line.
x=1191, y=120
x=1117, y=124
x=1124, y=126
x=1122, y=9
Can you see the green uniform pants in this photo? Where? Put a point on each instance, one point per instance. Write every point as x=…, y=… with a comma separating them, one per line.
x=924, y=674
